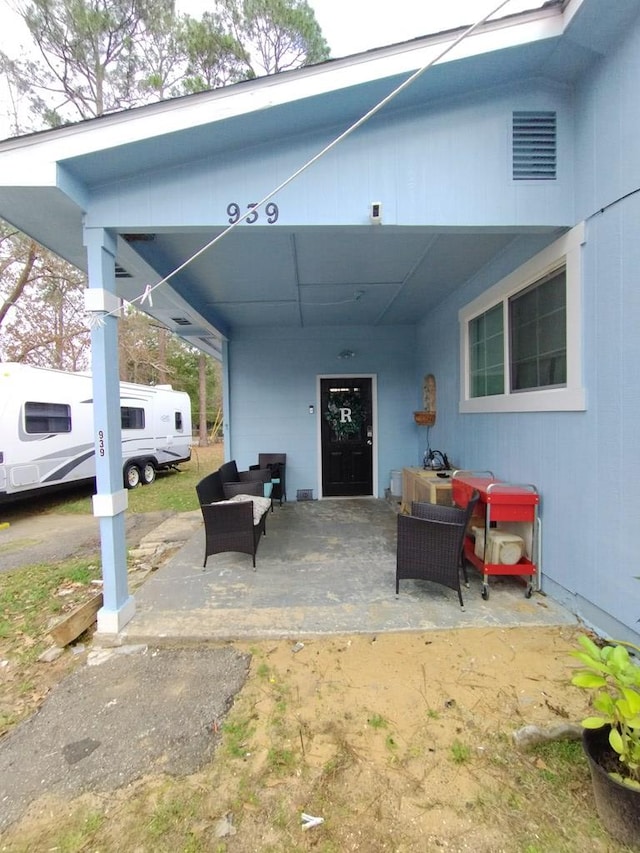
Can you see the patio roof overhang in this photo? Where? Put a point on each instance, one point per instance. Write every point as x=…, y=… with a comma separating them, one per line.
x=315, y=273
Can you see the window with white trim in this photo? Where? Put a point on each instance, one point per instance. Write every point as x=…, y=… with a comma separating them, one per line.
x=520, y=341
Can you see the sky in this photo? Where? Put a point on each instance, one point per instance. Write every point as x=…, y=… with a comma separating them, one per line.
x=351, y=26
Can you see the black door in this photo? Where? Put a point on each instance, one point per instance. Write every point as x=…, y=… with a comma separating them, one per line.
x=347, y=437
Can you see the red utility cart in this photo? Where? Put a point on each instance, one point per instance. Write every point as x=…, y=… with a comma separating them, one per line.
x=500, y=502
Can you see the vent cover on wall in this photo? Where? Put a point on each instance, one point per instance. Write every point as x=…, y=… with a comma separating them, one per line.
x=534, y=146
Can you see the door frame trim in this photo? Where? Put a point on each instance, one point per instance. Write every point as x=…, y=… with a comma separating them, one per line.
x=374, y=422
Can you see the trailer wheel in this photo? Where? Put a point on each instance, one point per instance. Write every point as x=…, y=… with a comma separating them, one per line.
x=131, y=476
x=148, y=473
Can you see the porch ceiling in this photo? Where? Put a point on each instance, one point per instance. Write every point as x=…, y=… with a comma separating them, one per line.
x=308, y=277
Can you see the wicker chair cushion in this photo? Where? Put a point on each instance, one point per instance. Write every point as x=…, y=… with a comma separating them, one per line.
x=260, y=505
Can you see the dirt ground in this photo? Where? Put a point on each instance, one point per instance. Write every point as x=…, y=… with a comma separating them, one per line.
x=398, y=742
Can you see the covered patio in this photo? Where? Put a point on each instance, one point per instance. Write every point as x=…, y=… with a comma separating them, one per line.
x=324, y=567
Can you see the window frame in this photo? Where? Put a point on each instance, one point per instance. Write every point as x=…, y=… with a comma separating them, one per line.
x=567, y=252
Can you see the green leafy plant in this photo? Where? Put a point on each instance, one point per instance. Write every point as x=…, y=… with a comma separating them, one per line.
x=612, y=676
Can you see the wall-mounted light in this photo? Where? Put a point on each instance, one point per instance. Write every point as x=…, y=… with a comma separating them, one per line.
x=375, y=212
x=346, y=353
x=311, y=408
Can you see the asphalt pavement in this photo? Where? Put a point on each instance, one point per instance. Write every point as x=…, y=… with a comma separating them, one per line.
x=130, y=711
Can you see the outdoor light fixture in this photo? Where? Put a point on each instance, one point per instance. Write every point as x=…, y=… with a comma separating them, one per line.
x=311, y=409
x=375, y=212
x=346, y=353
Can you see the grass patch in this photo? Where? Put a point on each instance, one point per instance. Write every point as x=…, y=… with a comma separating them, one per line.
x=237, y=736
x=174, y=812
x=281, y=760
x=29, y=601
x=176, y=490
x=559, y=762
x=554, y=776
x=460, y=752
x=377, y=721
x=74, y=838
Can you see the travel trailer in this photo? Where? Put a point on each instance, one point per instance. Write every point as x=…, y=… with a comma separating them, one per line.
x=47, y=438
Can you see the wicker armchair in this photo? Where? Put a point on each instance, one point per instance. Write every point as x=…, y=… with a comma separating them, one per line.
x=209, y=489
x=231, y=526
x=430, y=543
x=261, y=476
x=276, y=463
x=234, y=482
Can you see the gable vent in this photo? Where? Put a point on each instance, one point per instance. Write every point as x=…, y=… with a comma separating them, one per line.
x=534, y=146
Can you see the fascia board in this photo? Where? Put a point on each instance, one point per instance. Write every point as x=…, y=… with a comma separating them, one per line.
x=569, y=10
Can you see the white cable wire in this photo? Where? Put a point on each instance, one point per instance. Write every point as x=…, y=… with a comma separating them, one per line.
x=357, y=124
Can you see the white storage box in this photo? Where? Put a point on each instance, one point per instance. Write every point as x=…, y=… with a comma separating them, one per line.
x=396, y=483
x=504, y=547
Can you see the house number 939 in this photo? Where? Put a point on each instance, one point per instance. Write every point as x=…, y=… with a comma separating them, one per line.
x=101, y=442
x=270, y=211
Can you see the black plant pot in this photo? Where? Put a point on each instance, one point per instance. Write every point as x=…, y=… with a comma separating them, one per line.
x=618, y=805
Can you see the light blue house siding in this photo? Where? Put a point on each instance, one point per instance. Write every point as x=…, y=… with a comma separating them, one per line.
x=273, y=383
x=585, y=464
x=448, y=165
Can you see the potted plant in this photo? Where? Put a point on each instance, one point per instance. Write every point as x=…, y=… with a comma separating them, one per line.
x=611, y=737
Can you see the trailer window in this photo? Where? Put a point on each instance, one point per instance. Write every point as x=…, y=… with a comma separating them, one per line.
x=131, y=418
x=178, y=421
x=46, y=418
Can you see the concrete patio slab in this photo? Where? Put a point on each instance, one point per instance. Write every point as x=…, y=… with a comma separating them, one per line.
x=324, y=567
